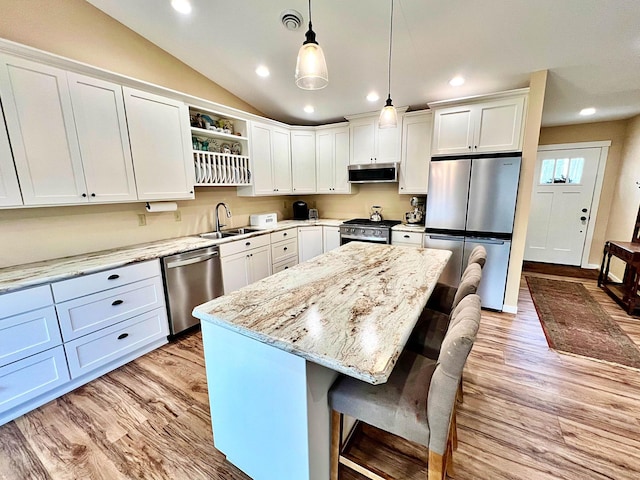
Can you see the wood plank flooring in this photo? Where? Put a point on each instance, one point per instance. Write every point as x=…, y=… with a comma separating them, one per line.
x=529, y=413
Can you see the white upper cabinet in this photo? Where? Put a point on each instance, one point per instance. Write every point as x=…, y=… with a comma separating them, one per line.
x=98, y=107
x=40, y=123
x=370, y=144
x=485, y=125
x=159, y=133
x=271, y=161
x=416, y=153
x=332, y=160
x=303, y=161
x=9, y=188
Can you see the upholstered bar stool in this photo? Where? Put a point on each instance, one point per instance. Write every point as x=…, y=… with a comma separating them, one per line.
x=417, y=402
x=443, y=295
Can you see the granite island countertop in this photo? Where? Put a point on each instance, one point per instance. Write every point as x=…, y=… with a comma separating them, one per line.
x=31, y=274
x=351, y=309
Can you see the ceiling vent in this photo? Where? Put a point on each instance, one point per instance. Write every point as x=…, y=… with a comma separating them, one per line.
x=291, y=19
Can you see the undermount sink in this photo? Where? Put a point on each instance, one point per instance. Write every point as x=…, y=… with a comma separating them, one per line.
x=229, y=233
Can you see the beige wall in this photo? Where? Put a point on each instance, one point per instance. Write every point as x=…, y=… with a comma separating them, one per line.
x=591, y=132
x=537, y=87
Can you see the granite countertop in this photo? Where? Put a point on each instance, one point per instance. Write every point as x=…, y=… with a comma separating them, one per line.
x=21, y=276
x=407, y=227
x=351, y=309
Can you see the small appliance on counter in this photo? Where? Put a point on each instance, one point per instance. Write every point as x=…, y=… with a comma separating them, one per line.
x=300, y=210
x=313, y=214
x=263, y=220
x=416, y=216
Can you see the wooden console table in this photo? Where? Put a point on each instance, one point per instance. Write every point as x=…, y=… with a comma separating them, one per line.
x=625, y=293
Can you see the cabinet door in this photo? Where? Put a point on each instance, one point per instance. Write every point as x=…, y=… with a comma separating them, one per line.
x=324, y=161
x=98, y=107
x=261, y=159
x=281, y=156
x=330, y=238
x=341, y=161
x=452, y=130
x=309, y=243
x=160, y=139
x=499, y=126
x=259, y=263
x=37, y=108
x=388, y=142
x=416, y=148
x=303, y=161
x=235, y=272
x=363, y=140
x=9, y=188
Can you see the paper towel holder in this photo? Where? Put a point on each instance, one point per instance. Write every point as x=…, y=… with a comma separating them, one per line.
x=152, y=207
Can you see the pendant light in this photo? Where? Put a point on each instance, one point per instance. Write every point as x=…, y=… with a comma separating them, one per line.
x=388, y=115
x=311, y=67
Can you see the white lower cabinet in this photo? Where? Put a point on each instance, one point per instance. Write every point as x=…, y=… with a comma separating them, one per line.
x=108, y=344
x=245, y=261
x=330, y=238
x=407, y=239
x=310, y=243
x=103, y=321
x=31, y=377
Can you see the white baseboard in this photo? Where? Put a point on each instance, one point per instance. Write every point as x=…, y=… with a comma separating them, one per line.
x=510, y=309
x=591, y=266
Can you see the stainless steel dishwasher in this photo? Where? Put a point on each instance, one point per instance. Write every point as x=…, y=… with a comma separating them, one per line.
x=190, y=279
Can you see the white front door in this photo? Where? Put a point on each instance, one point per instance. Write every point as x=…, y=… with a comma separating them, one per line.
x=561, y=205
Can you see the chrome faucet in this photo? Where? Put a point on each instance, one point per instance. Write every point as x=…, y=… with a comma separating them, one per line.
x=218, y=224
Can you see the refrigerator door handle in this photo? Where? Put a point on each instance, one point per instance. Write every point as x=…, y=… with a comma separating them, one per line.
x=446, y=237
x=491, y=241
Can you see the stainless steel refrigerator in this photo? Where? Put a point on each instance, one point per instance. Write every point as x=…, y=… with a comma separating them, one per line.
x=471, y=201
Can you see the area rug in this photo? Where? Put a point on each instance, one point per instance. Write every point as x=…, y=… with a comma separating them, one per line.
x=575, y=323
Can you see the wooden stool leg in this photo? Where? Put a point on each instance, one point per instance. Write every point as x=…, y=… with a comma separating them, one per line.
x=454, y=431
x=436, y=466
x=336, y=433
x=460, y=393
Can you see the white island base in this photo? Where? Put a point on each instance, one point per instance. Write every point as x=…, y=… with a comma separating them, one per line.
x=269, y=408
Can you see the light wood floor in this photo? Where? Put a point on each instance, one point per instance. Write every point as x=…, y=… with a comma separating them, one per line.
x=529, y=413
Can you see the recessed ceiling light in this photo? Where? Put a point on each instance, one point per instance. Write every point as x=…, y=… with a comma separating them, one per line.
x=262, y=71
x=456, y=81
x=182, y=6
x=587, y=111
x=373, y=97
x=309, y=109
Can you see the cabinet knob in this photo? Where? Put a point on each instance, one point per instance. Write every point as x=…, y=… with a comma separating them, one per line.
x=113, y=277
x=84, y=195
x=401, y=188
x=285, y=234
x=122, y=336
x=406, y=236
x=93, y=194
x=286, y=268
x=583, y=218
x=247, y=244
x=475, y=147
x=469, y=147
x=117, y=302
x=584, y=210
x=286, y=248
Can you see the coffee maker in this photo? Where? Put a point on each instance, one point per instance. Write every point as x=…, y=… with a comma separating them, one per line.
x=300, y=210
x=416, y=216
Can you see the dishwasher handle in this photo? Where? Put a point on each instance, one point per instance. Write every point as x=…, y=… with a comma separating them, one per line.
x=190, y=261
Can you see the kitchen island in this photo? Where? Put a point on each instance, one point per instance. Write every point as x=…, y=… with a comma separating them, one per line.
x=273, y=349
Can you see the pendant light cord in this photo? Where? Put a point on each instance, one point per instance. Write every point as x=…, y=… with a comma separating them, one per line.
x=390, y=44
x=309, y=14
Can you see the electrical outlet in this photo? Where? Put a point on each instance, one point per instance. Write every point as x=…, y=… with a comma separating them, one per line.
x=142, y=219
x=177, y=215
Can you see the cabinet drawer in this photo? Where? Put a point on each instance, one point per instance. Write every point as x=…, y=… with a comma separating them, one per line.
x=414, y=238
x=28, y=378
x=85, y=315
x=283, y=250
x=99, y=348
x=25, y=300
x=284, y=235
x=96, y=282
x=244, y=245
x=28, y=333
x=284, y=265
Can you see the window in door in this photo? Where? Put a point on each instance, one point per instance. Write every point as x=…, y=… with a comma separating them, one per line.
x=561, y=170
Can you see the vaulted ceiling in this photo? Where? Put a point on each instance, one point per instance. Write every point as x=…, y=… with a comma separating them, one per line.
x=590, y=47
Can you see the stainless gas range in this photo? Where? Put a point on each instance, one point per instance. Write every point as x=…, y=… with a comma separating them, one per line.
x=365, y=230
